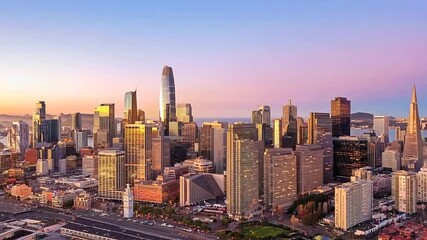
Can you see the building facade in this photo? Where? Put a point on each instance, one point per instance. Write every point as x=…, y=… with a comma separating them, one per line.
x=340, y=115
x=111, y=174
x=404, y=191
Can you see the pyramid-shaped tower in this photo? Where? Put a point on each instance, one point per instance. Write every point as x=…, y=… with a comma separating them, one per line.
x=413, y=148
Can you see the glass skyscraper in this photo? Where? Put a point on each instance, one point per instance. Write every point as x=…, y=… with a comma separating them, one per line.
x=131, y=110
x=340, y=115
x=167, y=96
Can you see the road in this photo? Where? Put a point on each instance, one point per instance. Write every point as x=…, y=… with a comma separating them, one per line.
x=309, y=230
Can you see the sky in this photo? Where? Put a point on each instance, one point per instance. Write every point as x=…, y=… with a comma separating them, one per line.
x=228, y=57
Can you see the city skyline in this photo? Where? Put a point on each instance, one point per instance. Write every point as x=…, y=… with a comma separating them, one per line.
x=262, y=54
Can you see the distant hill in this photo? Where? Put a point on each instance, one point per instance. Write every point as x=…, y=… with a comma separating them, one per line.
x=360, y=116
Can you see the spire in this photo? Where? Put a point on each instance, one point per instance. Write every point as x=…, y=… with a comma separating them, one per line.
x=289, y=102
x=414, y=95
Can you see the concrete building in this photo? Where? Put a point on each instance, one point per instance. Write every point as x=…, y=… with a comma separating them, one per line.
x=21, y=191
x=280, y=178
x=111, y=174
x=422, y=184
x=130, y=108
x=176, y=171
x=353, y=204
x=19, y=137
x=76, y=121
x=162, y=190
x=309, y=167
x=190, y=135
x=160, y=156
x=262, y=115
x=289, y=125
x=404, y=191
x=81, y=139
x=184, y=113
x=38, y=117
x=42, y=167
x=83, y=201
x=62, y=166
x=381, y=127
x=213, y=144
x=199, y=165
x=243, y=157
x=90, y=166
x=128, y=202
x=277, y=133
x=196, y=188
x=104, y=125
x=391, y=159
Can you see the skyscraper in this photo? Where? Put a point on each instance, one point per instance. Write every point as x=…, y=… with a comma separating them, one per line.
x=243, y=157
x=38, y=117
x=184, y=113
x=51, y=130
x=104, y=125
x=422, y=184
x=213, y=143
x=161, y=155
x=280, y=178
x=381, y=127
x=262, y=115
x=167, y=98
x=340, y=115
x=111, y=174
x=309, y=167
x=413, y=151
x=318, y=124
x=138, y=146
x=289, y=125
x=76, y=121
x=404, y=191
x=349, y=153
x=19, y=137
x=277, y=133
x=130, y=110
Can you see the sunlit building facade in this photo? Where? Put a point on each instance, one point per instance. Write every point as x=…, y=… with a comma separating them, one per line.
x=19, y=137
x=111, y=174
x=130, y=110
x=167, y=98
x=340, y=115
x=104, y=125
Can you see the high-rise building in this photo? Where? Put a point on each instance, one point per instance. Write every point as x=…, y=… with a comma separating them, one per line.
x=404, y=191
x=111, y=174
x=81, y=139
x=280, y=178
x=128, y=202
x=381, y=127
x=130, y=110
x=391, y=159
x=318, y=124
x=51, y=132
x=309, y=167
x=413, y=151
x=277, y=133
x=189, y=134
x=167, y=98
x=243, y=157
x=90, y=166
x=161, y=155
x=326, y=141
x=289, y=125
x=38, y=117
x=76, y=121
x=213, y=144
x=19, y=137
x=353, y=203
x=138, y=146
x=265, y=134
x=262, y=115
x=184, y=113
x=141, y=115
x=422, y=184
x=302, y=136
x=104, y=125
x=349, y=153
x=340, y=115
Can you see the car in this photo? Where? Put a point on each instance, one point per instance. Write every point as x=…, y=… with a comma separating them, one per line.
x=164, y=225
x=135, y=221
x=170, y=226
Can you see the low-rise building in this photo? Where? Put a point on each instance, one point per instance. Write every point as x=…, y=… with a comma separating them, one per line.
x=22, y=191
x=62, y=198
x=159, y=191
x=199, y=165
x=78, y=182
x=196, y=188
x=175, y=172
x=83, y=201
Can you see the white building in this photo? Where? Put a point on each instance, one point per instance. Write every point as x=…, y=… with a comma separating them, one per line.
x=353, y=203
x=422, y=184
x=19, y=137
x=404, y=191
x=42, y=167
x=381, y=127
x=391, y=159
x=62, y=166
x=128, y=202
x=199, y=165
x=81, y=139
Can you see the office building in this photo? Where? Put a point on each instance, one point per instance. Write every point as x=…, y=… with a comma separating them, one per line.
x=280, y=178
x=19, y=137
x=318, y=125
x=309, y=167
x=184, y=113
x=302, y=136
x=138, y=146
x=391, y=159
x=161, y=155
x=381, y=127
x=289, y=125
x=141, y=115
x=199, y=165
x=162, y=190
x=277, y=133
x=412, y=158
x=130, y=110
x=62, y=166
x=42, y=167
x=189, y=135
x=422, y=184
x=80, y=139
x=195, y=188
x=349, y=153
x=243, y=157
x=83, y=201
x=76, y=121
x=51, y=132
x=111, y=174
x=6, y=161
x=167, y=98
x=213, y=144
x=340, y=115
x=104, y=125
x=38, y=117
x=353, y=204
x=90, y=166
x=404, y=191
x=262, y=115
x=176, y=171
x=128, y=202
